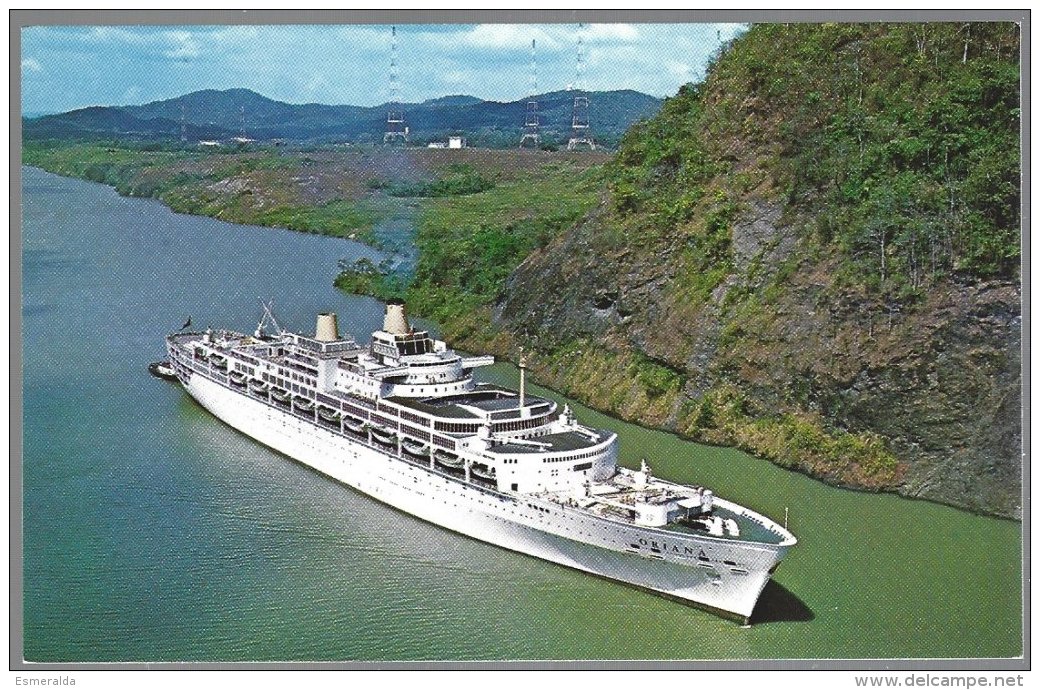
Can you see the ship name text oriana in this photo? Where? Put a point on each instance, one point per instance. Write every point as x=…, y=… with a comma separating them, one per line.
x=403, y=420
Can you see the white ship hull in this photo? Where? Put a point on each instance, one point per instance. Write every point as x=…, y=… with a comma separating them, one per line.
x=664, y=562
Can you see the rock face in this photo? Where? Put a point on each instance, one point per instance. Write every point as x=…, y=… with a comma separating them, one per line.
x=939, y=383
x=813, y=255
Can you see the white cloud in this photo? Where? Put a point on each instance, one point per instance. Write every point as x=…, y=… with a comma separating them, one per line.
x=115, y=34
x=184, y=45
x=350, y=64
x=456, y=77
x=602, y=33
x=679, y=69
x=235, y=34
x=316, y=83
x=501, y=37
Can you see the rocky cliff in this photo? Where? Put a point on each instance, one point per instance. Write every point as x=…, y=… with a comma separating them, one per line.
x=814, y=256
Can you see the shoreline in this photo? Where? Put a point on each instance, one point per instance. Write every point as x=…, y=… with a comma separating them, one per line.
x=796, y=470
x=491, y=333
x=361, y=237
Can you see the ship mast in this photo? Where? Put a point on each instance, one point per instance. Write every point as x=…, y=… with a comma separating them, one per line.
x=267, y=317
x=523, y=372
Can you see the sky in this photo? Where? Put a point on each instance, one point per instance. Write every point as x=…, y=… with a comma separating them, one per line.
x=68, y=67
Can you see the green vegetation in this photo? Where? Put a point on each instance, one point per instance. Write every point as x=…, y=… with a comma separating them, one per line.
x=898, y=141
x=461, y=178
x=133, y=172
x=624, y=383
x=339, y=218
x=655, y=378
x=248, y=188
x=766, y=226
x=881, y=159
x=469, y=244
x=799, y=441
x=363, y=277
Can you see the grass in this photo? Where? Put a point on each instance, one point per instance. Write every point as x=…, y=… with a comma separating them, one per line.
x=469, y=243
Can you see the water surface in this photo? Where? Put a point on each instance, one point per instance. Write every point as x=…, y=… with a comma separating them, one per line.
x=153, y=532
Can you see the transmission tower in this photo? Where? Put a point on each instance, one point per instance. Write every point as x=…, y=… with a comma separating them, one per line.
x=530, y=133
x=581, y=135
x=395, y=127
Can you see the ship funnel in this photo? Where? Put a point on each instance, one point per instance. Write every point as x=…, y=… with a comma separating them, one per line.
x=326, y=330
x=395, y=321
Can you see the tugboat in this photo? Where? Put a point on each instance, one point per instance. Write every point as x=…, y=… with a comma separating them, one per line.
x=162, y=370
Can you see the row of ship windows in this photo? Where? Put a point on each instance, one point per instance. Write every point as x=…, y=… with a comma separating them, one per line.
x=289, y=375
x=568, y=458
x=455, y=428
x=445, y=443
x=518, y=426
x=286, y=365
x=304, y=360
x=411, y=417
x=704, y=560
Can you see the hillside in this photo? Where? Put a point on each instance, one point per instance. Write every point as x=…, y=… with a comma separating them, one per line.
x=221, y=114
x=813, y=255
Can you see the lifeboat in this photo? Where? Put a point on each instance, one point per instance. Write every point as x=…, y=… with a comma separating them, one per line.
x=258, y=385
x=280, y=395
x=328, y=414
x=383, y=436
x=237, y=378
x=302, y=403
x=483, y=471
x=355, y=425
x=419, y=450
x=449, y=460
x=219, y=361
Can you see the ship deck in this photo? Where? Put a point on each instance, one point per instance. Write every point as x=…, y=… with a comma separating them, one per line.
x=485, y=400
x=749, y=529
x=550, y=443
x=609, y=499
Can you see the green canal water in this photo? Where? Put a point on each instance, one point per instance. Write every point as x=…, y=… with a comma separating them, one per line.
x=152, y=532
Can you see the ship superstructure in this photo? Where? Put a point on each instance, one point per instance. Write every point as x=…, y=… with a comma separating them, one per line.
x=403, y=420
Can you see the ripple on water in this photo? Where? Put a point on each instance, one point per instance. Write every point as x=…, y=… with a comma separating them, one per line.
x=154, y=532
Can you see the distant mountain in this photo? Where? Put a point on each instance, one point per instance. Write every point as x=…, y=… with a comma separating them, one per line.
x=113, y=123
x=449, y=101
x=214, y=114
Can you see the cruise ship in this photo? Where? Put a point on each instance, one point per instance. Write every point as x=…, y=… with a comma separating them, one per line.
x=403, y=420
